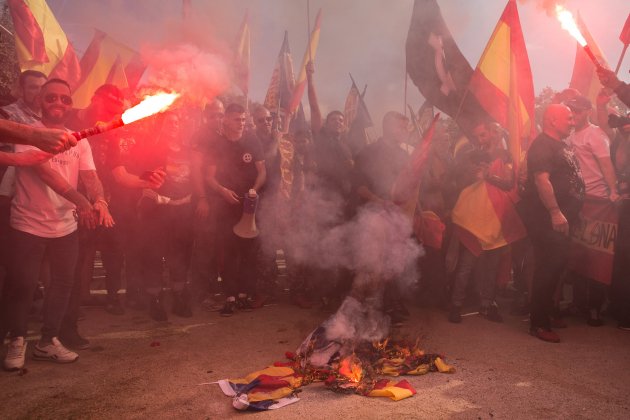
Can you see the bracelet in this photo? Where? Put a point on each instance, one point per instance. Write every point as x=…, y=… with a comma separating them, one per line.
x=102, y=200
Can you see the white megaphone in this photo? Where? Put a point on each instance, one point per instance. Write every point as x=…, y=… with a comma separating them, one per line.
x=246, y=227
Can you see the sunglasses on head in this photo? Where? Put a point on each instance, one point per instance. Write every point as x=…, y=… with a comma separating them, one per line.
x=52, y=97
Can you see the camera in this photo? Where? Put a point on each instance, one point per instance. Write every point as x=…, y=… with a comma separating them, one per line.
x=615, y=121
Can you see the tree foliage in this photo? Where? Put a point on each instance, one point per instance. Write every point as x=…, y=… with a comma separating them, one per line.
x=9, y=69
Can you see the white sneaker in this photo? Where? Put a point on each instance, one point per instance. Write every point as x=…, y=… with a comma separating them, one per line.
x=14, y=360
x=54, y=352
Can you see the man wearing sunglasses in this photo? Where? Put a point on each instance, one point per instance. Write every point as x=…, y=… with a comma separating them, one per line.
x=45, y=214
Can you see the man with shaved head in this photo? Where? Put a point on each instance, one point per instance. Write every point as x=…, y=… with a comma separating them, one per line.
x=551, y=204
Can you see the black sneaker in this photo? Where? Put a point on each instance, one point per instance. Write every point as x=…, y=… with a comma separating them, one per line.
x=156, y=308
x=491, y=313
x=73, y=340
x=228, y=308
x=114, y=306
x=244, y=304
x=455, y=315
x=181, y=304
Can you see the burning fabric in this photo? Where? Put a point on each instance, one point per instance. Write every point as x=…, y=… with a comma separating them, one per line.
x=348, y=353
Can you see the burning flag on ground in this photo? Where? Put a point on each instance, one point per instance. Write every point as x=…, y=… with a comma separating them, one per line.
x=277, y=386
x=267, y=389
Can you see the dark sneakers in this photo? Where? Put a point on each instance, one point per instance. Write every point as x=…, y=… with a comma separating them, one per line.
x=491, y=313
x=73, y=340
x=228, y=308
x=156, y=308
x=114, y=306
x=544, y=334
x=181, y=304
x=455, y=315
x=244, y=304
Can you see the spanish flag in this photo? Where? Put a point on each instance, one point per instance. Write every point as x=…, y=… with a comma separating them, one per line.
x=242, y=56
x=309, y=55
x=106, y=61
x=40, y=42
x=485, y=215
x=584, y=77
x=502, y=82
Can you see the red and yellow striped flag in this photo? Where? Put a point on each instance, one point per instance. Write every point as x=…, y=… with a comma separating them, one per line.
x=311, y=50
x=40, y=42
x=502, y=82
x=106, y=61
x=242, y=56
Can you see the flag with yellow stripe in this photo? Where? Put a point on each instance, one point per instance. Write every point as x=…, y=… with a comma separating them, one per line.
x=41, y=43
x=502, y=82
x=106, y=61
x=309, y=55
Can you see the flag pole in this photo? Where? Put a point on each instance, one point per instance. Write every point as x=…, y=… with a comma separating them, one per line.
x=308, y=27
x=623, y=53
x=405, y=95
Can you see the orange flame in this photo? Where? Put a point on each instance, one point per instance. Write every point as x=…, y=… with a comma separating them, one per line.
x=151, y=104
x=568, y=24
x=351, y=369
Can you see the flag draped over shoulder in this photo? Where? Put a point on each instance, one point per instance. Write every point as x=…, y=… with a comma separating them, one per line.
x=106, y=61
x=502, y=82
x=437, y=66
x=40, y=42
x=593, y=240
x=357, y=119
x=486, y=215
x=584, y=77
x=282, y=82
x=242, y=56
x=309, y=54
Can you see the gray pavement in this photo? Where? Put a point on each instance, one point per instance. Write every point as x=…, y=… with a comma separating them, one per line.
x=502, y=372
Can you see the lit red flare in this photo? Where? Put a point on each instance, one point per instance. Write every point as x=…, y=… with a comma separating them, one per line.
x=568, y=24
x=150, y=105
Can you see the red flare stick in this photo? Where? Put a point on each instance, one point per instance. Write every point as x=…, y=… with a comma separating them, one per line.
x=98, y=129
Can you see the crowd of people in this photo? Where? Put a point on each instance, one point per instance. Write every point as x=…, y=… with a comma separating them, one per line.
x=199, y=203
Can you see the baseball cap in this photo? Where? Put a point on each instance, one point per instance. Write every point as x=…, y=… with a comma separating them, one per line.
x=579, y=103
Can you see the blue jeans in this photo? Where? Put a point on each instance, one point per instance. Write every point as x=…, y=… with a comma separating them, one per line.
x=483, y=269
x=27, y=255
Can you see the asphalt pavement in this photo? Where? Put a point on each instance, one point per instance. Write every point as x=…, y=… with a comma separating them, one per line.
x=138, y=368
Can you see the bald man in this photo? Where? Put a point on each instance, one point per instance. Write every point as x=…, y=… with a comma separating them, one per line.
x=552, y=201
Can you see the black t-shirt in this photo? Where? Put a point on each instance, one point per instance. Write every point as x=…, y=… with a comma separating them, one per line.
x=334, y=163
x=235, y=162
x=377, y=167
x=557, y=158
x=139, y=156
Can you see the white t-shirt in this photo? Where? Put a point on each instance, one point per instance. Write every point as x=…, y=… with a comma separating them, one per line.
x=589, y=144
x=36, y=208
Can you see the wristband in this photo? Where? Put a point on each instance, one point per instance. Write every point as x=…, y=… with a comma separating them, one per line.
x=102, y=200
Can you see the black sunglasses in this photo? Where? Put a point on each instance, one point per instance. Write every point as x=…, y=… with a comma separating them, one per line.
x=265, y=119
x=52, y=97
